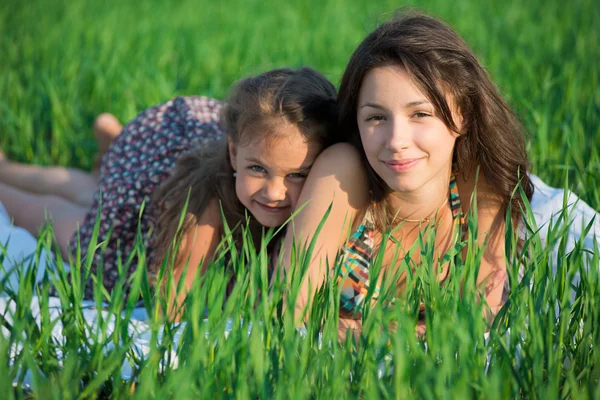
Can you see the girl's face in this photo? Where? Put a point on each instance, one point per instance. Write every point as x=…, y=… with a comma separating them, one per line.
x=405, y=142
x=271, y=173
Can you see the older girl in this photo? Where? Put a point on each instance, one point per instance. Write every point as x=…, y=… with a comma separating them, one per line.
x=426, y=126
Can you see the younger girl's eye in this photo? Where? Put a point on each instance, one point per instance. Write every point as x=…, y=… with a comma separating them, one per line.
x=257, y=168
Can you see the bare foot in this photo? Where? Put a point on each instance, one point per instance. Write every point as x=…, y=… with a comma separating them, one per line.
x=106, y=128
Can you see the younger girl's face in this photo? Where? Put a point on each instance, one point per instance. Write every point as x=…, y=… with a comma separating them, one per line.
x=271, y=173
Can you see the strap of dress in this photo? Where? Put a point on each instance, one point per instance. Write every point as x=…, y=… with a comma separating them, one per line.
x=458, y=215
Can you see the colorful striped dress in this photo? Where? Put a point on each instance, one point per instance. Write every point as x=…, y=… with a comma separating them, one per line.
x=357, y=254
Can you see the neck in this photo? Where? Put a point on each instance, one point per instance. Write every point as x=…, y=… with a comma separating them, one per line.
x=422, y=205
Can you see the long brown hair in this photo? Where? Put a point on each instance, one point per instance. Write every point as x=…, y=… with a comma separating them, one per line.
x=440, y=63
x=302, y=97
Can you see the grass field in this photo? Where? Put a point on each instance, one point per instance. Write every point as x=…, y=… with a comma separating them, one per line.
x=64, y=62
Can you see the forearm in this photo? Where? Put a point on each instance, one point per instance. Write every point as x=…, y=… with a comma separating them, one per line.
x=336, y=189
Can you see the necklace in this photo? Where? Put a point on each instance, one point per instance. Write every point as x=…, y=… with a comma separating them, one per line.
x=426, y=219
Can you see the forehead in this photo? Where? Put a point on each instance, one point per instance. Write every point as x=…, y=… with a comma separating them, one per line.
x=284, y=147
x=391, y=82
x=393, y=85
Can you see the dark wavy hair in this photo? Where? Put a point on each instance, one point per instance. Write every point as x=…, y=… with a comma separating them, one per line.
x=302, y=97
x=441, y=64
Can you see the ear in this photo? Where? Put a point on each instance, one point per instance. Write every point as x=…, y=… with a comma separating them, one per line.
x=458, y=122
x=457, y=116
x=232, y=153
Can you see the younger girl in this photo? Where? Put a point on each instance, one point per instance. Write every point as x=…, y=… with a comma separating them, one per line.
x=426, y=127
x=252, y=153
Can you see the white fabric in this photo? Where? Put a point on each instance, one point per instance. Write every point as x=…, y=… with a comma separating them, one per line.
x=18, y=247
x=547, y=204
x=547, y=207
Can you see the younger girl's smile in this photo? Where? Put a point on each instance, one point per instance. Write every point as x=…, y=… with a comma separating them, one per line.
x=273, y=209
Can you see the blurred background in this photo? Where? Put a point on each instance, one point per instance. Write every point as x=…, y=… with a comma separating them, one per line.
x=64, y=62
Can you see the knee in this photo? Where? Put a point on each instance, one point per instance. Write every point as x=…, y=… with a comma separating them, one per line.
x=50, y=202
x=84, y=198
x=35, y=211
x=50, y=208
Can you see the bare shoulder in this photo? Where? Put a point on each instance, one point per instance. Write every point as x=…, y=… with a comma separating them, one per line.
x=339, y=152
x=339, y=172
x=336, y=186
x=205, y=229
x=197, y=248
x=340, y=158
x=474, y=183
x=200, y=240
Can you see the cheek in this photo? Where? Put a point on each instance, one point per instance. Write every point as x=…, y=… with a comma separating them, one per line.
x=447, y=143
x=373, y=143
x=245, y=187
x=370, y=142
x=239, y=191
x=436, y=142
x=429, y=143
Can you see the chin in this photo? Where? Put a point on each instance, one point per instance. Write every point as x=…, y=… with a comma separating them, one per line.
x=270, y=223
x=403, y=187
x=397, y=183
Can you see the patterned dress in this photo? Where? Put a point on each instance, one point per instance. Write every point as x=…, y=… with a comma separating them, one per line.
x=132, y=169
x=357, y=253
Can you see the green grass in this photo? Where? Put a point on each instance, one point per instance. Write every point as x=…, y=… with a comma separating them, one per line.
x=62, y=63
x=542, y=344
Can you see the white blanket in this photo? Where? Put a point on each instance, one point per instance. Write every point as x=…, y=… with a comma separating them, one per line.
x=17, y=248
x=547, y=203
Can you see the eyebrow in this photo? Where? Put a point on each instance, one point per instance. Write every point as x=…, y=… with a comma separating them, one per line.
x=407, y=105
x=252, y=159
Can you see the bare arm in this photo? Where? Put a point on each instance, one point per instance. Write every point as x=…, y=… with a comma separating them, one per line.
x=337, y=179
x=491, y=228
x=198, y=246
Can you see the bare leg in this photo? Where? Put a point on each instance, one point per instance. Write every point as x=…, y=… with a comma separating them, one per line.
x=30, y=211
x=72, y=184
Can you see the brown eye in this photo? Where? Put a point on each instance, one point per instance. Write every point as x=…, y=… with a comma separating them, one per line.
x=376, y=117
x=421, y=114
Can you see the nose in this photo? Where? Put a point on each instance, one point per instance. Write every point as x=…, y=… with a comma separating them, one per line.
x=399, y=136
x=274, y=190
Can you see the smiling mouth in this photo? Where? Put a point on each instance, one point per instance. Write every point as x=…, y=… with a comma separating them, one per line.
x=402, y=165
x=272, y=209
